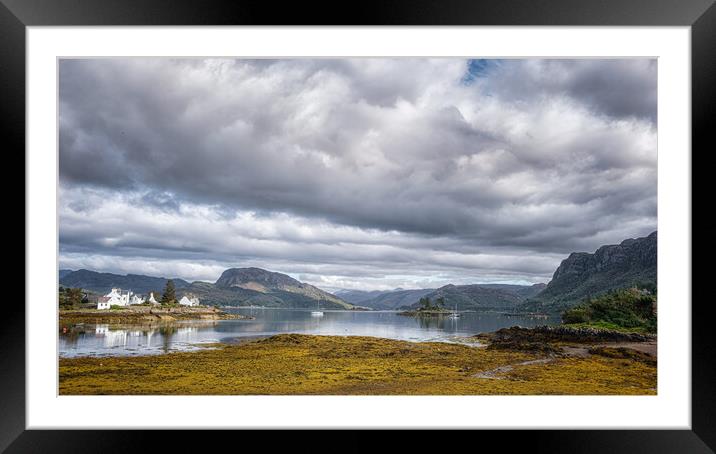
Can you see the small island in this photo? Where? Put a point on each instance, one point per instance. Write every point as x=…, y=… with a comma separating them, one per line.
x=427, y=309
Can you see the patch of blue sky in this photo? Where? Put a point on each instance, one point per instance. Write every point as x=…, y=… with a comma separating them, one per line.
x=479, y=68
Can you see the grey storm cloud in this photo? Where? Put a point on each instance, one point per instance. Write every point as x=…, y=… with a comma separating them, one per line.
x=370, y=166
x=617, y=88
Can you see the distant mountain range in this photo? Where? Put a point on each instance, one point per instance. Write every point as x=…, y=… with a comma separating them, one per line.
x=464, y=297
x=383, y=299
x=579, y=276
x=483, y=296
x=583, y=275
x=104, y=282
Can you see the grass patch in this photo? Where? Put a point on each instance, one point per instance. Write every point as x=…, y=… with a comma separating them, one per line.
x=602, y=325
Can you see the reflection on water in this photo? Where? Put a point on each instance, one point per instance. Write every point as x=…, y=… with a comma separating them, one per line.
x=102, y=339
x=440, y=323
x=93, y=340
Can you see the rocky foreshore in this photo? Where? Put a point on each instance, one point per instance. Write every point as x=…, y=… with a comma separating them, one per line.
x=561, y=333
x=560, y=340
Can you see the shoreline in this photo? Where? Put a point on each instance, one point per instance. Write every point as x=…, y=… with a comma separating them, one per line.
x=426, y=313
x=359, y=365
x=145, y=315
x=446, y=312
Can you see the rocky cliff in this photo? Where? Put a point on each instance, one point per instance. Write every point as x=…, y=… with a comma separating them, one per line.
x=582, y=275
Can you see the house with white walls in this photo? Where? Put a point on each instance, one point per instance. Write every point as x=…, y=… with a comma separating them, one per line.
x=113, y=298
x=103, y=303
x=189, y=300
x=135, y=299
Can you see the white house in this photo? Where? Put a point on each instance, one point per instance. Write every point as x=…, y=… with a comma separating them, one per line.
x=151, y=298
x=189, y=300
x=135, y=299
x=113, y=298
x=103, y=303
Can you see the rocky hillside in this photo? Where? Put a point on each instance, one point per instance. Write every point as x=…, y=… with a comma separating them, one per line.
x=258, y=287
x=256, y=279
x=523, y=291
x=102, y=283
x=483, y=296
x=583, y=275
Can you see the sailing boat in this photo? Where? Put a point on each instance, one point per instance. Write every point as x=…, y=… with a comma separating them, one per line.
x=317, y=312
x=454, y=313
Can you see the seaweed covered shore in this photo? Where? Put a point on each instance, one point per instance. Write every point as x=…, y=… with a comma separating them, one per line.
x=501, y=363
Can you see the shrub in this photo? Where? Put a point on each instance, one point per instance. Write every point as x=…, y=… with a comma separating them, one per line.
x=630, y=308
x=576, y=315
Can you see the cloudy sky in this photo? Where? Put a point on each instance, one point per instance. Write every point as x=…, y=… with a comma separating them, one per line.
x=353, y=173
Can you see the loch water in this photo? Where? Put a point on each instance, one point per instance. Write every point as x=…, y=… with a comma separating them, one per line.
x=100, y=340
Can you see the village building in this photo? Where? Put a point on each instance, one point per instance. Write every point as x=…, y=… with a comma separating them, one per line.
x=136, y=299
x=151, y=299
x=103, y=303
x=117, y=298
x=189, y=300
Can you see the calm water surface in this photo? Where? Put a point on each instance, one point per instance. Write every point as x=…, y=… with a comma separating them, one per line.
x=98, y=340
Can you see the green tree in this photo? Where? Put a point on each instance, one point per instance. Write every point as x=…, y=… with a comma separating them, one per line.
x=169, y=296
x=440, y=302
x=71, y=298
x=425, y=303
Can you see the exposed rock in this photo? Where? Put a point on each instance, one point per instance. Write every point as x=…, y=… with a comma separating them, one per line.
x=545, y=334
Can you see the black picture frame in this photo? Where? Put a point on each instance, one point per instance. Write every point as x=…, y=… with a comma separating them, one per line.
x=700, y=15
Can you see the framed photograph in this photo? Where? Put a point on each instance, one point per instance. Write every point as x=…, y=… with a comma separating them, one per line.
x=421, y=215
